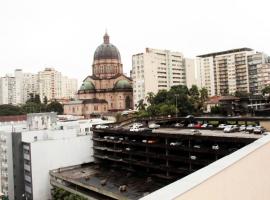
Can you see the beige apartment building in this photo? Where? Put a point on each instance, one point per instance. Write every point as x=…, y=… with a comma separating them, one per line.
x=259, y=72
x=225, y=72
x=157, y=70
x=54, y=85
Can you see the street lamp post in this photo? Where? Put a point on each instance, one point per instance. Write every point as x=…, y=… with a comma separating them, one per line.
x=176, y=95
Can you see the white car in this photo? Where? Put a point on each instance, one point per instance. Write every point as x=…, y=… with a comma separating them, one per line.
x=221, y=126
x=137, y=125
x=100, y=126
x=193, y=157
x=179, y=125
x=154, y=126
x=228, y=129
x=175, y=143
x=215, y=147
x=242, y=128
x=204, y=126
x=249, y=128
x=190, y=125
x=134, y=129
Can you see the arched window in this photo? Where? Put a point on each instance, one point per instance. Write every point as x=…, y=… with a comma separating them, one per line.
x=127, y=102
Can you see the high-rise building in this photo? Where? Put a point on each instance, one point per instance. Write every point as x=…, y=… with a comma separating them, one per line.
x=53, y=85
x=50, y=83
x=157, y=70
x=16, y=89
x=259, y=72
x=7, y=90
x=225, y=72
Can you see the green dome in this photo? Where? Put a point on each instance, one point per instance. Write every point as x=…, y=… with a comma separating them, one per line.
x=87, y=85
x=122, y=84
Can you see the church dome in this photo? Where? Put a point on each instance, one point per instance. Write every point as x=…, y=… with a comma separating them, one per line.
x=122, y=84
x=107, y=50
x=87, y=85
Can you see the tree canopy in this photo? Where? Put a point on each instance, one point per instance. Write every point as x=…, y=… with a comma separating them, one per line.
x=7, y=110
x=178, y=99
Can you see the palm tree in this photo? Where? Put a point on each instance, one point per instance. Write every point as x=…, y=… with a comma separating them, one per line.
x=150, y=97
x=141, y=105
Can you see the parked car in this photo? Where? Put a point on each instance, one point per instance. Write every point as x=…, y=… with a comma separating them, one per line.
x=137, y=125
x=242, y=128
x=175, y=143
x=249, y=128
x=221, y=126
x=190, y=125
x=235, y=128
x=193, y=157
x=204, y=126
x=101, y=126
x=258, y=130
x=228, y=129
x=197, y=146
x=197, y=125
x=154, y=126
x=151, y=141
x=215, y=147
x=134, y=129
x=179, y=125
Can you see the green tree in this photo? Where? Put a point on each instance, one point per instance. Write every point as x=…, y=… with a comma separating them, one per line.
x=266, y=90
x=141, y=105
x=166, y=109
x=150, y=97
x=241, y=94
x=55, y=106
x=194, y=91
x=32, y=107
x=203, y=94
x=45, y=100
x=37, y=99
x=7, y=110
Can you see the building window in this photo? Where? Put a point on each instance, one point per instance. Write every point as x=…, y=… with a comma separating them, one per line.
x=95, y=108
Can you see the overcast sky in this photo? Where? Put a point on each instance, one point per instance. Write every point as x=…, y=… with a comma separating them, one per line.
x=64, y=34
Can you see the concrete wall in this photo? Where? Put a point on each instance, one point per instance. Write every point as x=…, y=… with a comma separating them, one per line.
x=241, y=175
x=53, y=154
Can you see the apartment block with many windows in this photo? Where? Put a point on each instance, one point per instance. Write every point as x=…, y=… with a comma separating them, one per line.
x=259, y=72
x=225, y=72
x=157, y=70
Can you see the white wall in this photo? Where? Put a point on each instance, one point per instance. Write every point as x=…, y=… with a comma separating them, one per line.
x=53, y=154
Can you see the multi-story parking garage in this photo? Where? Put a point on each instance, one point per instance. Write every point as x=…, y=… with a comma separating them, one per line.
x=130, y=165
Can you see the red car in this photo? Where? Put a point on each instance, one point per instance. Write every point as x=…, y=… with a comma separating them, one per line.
x=197, y=125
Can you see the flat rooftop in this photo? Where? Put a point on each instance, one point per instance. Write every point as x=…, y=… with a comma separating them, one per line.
x=91, y=177
x=202, y=132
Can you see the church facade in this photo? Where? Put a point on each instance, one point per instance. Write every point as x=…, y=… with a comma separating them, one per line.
x=107, y=89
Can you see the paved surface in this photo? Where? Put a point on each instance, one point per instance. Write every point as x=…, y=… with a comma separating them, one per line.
x=215, y=133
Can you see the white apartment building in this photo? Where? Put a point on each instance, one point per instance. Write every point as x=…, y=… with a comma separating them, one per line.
x=50, y=84
x=30, y=149
x=16, y=89
x=7, y=90
x=157, y=70
x=47, y=150
x=10, y=174
x=259, y=72
x=55, y=86
x=225, y=72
